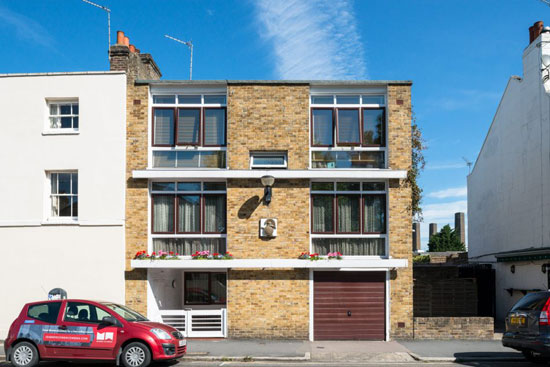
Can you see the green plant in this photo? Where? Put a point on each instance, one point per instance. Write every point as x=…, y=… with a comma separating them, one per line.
x=446, y=240
x=421, y=259
x=417, y=165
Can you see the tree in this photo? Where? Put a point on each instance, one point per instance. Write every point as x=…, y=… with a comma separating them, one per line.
x=418, y=163
x=446, y=240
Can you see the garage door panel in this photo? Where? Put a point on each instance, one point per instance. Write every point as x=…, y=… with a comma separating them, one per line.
x=361, y=293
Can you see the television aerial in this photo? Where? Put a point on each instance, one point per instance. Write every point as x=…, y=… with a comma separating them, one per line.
x=469, y=163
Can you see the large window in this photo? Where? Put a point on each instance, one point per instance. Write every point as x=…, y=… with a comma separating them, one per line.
x=64, y=194
x=188, y=216
x=205, y=288
x=183, y=121
x=349, y=217
x=348, y=131
x=63, y=115
x=84, y=312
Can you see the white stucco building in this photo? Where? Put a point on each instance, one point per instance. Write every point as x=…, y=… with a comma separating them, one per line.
x=509, y=187
x=63, y=178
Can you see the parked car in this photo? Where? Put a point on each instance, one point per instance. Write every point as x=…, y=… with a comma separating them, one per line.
x=528, y=326
x=86, y=330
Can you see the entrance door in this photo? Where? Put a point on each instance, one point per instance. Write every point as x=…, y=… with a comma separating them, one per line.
x=349, y=305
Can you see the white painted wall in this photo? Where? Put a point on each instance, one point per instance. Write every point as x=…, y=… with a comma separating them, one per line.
x=527, y=275
x=509, y=187
x=86, y=259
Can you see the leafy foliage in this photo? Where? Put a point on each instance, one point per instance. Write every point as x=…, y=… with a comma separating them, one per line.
x=421, y=259
x=417, y=146
x=446, y=240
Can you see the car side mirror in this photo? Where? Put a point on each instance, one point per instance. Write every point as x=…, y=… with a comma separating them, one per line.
x=108, y=321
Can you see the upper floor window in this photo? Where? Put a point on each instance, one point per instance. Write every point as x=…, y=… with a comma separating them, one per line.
x=268, y=160
x=194, y=120
x=348, y=131
x=64, y=194
x=63, y=115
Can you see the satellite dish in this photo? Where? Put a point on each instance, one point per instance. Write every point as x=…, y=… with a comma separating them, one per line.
x=545, y=60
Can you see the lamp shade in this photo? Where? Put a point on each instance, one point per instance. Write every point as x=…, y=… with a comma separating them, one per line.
x=268, y=180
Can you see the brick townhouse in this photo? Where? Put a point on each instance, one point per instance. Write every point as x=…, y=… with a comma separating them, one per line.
x=267, y=170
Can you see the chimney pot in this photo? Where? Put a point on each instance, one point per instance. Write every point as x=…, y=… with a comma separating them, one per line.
x=132, y=48
x=126, y=41
x=120, y=37
x=137, y=50
x=535, y=31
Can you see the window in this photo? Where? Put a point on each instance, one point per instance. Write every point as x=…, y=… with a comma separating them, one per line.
x=340, y=122
x=188, y=216
x=46, y=311
x=64, y=194
x=348, y=208
x=268, y=160
x=63, y=115
x=84, y=312
x=205, y=288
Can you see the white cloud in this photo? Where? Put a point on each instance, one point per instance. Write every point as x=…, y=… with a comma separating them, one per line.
x=452, y=192
x=26, y=28
x=315, y=39
x=442, y=214
x=466, y=97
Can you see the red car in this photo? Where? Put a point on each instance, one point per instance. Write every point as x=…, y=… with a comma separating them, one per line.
x=85, y=330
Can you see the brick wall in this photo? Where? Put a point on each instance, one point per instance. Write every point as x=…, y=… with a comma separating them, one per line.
x=137, y=66
x=267, y=117
x=270, y=304
x=468, y=328
x=400, y=217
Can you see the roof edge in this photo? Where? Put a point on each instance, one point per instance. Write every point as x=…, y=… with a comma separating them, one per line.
x=316, y=83
x=62, y=73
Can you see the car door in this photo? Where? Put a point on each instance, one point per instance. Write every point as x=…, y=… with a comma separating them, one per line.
x=41, y=322
x=84, y=337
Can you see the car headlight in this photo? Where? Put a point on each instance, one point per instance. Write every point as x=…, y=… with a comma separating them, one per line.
x=161, y=334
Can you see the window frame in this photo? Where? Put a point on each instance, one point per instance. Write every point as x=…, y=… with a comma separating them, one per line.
x=359, y=122
x=153, y=213
x=59, y=218
x=203, y=211
x=364, y=215
x=48, y=129
x=312, y=127
x=204, y=109
x=333, y=209
x=384, y=143
x=185, y=302
x=177, y=213
x=64, y=318
x=337, y=212
x=177, y=143
x=153, y=118
x=259, y=154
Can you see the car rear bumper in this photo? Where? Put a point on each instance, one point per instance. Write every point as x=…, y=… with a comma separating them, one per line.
x=539, y=344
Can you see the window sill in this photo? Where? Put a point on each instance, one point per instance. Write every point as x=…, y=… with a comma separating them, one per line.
x=60, y=222
x=60, y=132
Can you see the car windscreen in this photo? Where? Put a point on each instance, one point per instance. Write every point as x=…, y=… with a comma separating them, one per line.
x=126, y=313
x=531, y=302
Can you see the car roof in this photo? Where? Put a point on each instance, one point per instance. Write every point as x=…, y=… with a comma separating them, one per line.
x=70, y=300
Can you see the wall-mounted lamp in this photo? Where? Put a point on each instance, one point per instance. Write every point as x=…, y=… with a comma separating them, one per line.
x=544, y=268
x=268, y=182
x=513, y=269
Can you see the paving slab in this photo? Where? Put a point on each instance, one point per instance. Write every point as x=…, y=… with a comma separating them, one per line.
x=447, y=350
x=242, y=348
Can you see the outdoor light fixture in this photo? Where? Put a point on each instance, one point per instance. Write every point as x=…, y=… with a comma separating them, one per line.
x=268, y=182
x=513, y=269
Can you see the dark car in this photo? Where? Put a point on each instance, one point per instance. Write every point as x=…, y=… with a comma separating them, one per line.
x=528, y=326
x=87, y=330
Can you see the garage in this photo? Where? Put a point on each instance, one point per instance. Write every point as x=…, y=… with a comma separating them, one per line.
x=349, y=305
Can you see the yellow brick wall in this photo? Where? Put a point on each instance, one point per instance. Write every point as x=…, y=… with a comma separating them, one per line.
x=400, y=217
x=268, y=304
x=267, y=117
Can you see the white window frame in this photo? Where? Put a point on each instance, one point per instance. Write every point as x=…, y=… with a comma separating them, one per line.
x=283, y=155
x=360, y=192
x=151, y=236
x=195, y=148
x=333, y=105
x=48, y=129
x=49, y=218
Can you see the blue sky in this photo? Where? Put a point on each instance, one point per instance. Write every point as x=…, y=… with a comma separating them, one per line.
x=459, y=55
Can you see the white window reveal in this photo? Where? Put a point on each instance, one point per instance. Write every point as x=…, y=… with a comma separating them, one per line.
x=64, y=195
x=63, y=116
x=268, y=160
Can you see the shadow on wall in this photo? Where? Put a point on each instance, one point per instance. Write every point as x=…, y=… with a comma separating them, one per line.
x=249, y=206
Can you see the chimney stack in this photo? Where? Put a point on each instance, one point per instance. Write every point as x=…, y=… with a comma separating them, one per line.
x=433, y=229
x=416, y=237
x=460, y=227
x=126, y=57
x=535, y=30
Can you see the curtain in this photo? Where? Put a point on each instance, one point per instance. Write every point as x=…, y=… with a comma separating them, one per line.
x=214, y=213
x=214, y=126
x=375, y=213
x=348, y=213
x=164, y=126
x=188, y=125
x=348, y=126
x=322, y=127
x=188, y=246
x=323, y=213
x=350, y=246
x=189, y=213
x=163, y=213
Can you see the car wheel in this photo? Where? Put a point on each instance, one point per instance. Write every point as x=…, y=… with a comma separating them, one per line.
x=533, y=356
x=24, y=354
x=136, y=355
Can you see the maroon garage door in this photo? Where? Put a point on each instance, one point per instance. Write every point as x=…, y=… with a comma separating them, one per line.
x=349, y=305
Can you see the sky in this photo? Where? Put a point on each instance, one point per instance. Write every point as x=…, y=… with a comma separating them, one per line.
x=458, y=53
